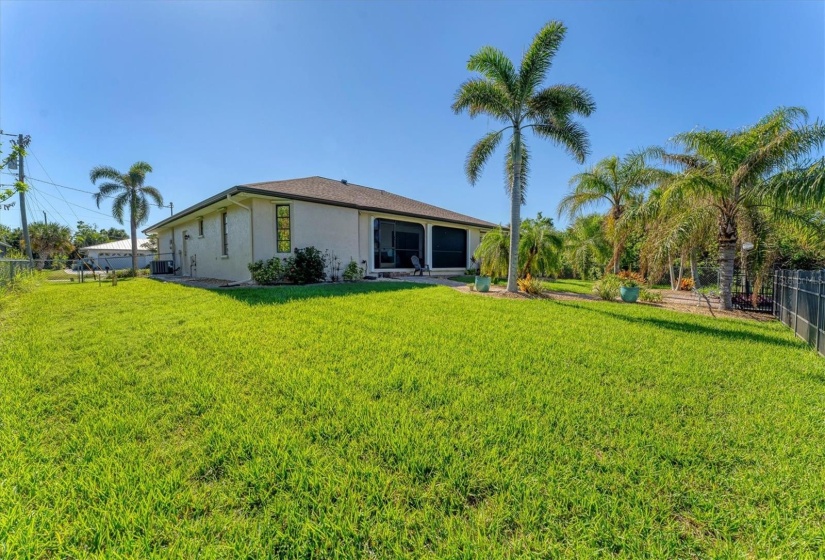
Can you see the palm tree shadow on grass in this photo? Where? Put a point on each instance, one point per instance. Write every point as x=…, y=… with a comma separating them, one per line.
x=718, y=332
x=275, y=295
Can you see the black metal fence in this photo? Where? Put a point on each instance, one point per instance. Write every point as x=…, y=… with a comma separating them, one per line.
x=800, y=304
x=748, y=294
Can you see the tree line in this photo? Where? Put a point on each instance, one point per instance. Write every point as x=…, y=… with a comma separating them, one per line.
x=709, y=196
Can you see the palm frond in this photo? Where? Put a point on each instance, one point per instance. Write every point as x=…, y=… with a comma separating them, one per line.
x=105, y=172
x=560, y=101
x=494, y=65
x=478, y=96
x=539, y=57
x=105, y=190
x=479, y=154
x=804, y=184
x=566, y=133
x=119, y=206
x=152, y=193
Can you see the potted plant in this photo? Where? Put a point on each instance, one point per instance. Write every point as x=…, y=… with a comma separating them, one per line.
x=629, y=290
x=481, y=282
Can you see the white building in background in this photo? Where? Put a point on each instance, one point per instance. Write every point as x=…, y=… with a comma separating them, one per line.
x=382, y=231
x=117, y=255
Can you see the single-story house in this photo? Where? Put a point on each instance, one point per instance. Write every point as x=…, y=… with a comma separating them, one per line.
x=118, y=254
x=218, y=237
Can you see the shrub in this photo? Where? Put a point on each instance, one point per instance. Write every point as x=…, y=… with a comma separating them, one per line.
x=267, y=272
x=127, y=272
x=530, y=285
x=353, y=272
x=629, y=275
x=306, y=266
x=608, y=287
x=686, y=284
x=650, y=296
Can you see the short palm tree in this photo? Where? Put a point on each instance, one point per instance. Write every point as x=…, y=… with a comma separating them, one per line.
x=49, y=240
x=516, y=98
x=492, y=253
x=743, y=177
x=540, y=246
x=585, y=246
x=130, y=194
x=618, y=182
x=539, y=249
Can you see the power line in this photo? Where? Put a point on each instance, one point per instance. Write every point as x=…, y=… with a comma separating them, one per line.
x=65, y=187
x=78, y=206
x=50, y=179
x=59, y=215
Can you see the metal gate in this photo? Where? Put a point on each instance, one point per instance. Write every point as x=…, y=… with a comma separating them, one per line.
x=745, y=296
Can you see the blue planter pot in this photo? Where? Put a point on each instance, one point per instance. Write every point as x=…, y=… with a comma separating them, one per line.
x=482, y=283
x=629, y=295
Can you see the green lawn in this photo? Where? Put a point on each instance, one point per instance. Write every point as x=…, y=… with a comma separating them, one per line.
x=569, y=285
x=574, y=286
x=400, y=420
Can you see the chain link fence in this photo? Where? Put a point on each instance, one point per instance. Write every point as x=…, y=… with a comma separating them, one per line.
x=95, y=268
x=13, y=269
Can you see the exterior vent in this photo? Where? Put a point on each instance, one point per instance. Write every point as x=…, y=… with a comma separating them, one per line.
x=344, y=181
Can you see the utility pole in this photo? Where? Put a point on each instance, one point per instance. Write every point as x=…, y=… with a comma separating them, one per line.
x=45, y=219
x=171, y=208
x=21, y=178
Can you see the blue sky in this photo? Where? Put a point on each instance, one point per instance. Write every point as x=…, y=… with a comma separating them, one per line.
x=217, y=94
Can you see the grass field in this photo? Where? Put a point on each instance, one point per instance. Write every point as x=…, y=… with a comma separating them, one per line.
x=397, y=420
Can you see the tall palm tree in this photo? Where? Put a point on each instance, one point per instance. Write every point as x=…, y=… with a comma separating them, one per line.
x=516, y=98
x=129, y=193
x=619, y=182
x=585, y=246
x=747, y=176
x=49, y=240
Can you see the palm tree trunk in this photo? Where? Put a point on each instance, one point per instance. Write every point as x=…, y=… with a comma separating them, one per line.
x=515, y=212
x=727, y=255
x=694, y=268
x=133, y=224
x=670, y=271
x=681, y=271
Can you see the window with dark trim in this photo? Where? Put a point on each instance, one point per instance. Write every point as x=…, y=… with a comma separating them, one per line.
x=449, y=247
x=225, y=234
x=200, y=227
x=283, y=228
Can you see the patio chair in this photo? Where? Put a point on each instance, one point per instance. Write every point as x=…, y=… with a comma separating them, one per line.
x=420, y=268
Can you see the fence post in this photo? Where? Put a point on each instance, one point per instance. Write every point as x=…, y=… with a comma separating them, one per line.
x=820, y=324
x=775, y=292
x=796, y=302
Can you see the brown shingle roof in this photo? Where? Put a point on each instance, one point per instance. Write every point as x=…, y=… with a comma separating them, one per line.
x=331, y=191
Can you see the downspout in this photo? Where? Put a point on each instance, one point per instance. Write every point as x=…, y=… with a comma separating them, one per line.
x=251, y=228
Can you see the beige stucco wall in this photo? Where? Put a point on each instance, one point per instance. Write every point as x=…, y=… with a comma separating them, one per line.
x=206, y=250
x=346, y=232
